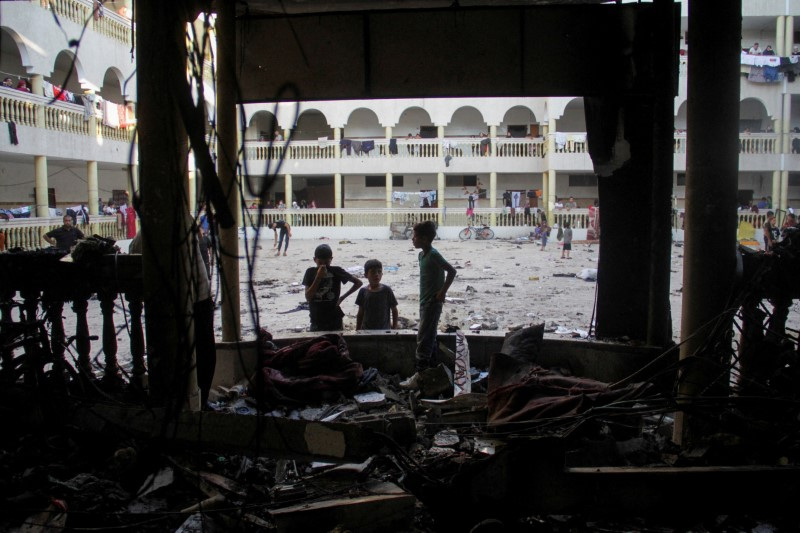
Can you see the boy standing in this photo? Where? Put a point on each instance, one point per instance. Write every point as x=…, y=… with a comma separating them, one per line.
x=376, y=301
x=567, y=240
x=323, y=284
x=433, y=287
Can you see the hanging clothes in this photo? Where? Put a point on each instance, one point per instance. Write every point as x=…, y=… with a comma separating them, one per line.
x=367, y=146
x=356, y=147
x=346, y=144
x=393, y=146
x=12, y=133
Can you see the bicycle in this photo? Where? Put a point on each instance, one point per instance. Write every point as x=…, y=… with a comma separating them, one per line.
x=480, y=232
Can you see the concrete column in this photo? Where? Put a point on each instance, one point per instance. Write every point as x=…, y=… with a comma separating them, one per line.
x=786, y=130
x=440, y=196
x=167, y=260
x=389, y=198
x=493, y=142
x=551, y=140
x=337, y=196
x=712, y=163
x=91, y=185
x=387, y=135
x=776, y=189
x=780, y=36
x=287, y=190
x=440, y=136
x=37, y=87
x=545, y=194
x=226, y=167
x=40, y=170
x=784, y=189
x=789, y=35
x=493, y=196
x=551, y=193
x=133, y=171
x=337, y=136
x=777, y=125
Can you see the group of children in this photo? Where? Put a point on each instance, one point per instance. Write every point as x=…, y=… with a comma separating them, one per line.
x=377, y=305
x=542, y=233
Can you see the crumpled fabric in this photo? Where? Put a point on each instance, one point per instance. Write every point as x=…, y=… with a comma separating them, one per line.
x=307, y=371
x=523, y=392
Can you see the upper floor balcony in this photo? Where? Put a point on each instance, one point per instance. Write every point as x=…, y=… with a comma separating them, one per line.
x=567, y=151
x=95, y=16
x=61, y=129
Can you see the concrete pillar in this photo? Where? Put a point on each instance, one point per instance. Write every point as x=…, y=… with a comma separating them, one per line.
x=287, y=190
x=659, y=317
x=780, y=36
x=440, y=136
x=551, y=193
x=493, y=137
x=387, y=135
x=337, y=196
x=551, y=139
x=388, y=198
x=440, y=196
x=91, y=185
x=788, y=43
x=337, y=136
x=545, y=194
x=493, y=196
x=226, y=167
x=777, y=125
x=776, y=189
x=785, y=133
x=133, y=171
x=784, y=189
x=40, y=171
x=37, y=87
x=167, y=261
x=712, y=164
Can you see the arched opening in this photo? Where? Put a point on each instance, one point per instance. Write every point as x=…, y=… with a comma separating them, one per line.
x=573, y=119
x=262, y=127
x=10, y=58
x=112, y=87
x=312, y=125
x=466, y=122
x=67, y=72
x=363, y=123
x=519, y=121
x=412, y=121
x=753, y=116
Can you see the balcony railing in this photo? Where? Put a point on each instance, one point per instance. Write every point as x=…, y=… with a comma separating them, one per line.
x=108, y=23
x=26, y=233
x=749, y=143
x=22, y=108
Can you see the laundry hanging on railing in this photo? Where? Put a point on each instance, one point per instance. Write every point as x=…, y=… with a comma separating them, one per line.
x=322, y=142
x=560, y=140
x=367, y=146
x=356, y=147
x=765, y=75
x=346, y=144
x=393, y=146
x=400, y=197
x=110, y=114
x=92, y=106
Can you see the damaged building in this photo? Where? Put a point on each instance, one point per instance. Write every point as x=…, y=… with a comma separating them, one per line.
x=517, y=433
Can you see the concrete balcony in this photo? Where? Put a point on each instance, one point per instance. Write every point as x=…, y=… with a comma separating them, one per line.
x=60, y=130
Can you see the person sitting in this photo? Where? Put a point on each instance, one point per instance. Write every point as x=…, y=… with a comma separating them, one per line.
x=22, y=85
x=769, y=51
x=754, y=50
x=8, y=83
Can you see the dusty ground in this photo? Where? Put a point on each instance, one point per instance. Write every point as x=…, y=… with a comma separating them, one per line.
x=500, y=284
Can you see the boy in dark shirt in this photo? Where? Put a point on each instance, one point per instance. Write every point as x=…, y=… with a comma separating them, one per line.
x=323, y=284
x=376, y=301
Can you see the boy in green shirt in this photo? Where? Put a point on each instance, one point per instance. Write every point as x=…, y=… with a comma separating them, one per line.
x=433, y=285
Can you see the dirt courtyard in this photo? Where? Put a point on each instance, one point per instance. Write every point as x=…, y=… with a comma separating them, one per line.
x=500, y=285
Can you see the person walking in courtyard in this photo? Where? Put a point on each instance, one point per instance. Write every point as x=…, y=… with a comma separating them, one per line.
x=285, y=231
x=435, y=277
x=323, y=284
x=771, y=232
x=567, y=247
x=544, y=233
x=377, y=301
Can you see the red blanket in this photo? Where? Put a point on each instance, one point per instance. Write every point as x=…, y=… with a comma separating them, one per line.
x=306, y=371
